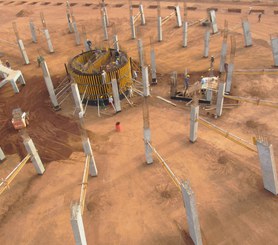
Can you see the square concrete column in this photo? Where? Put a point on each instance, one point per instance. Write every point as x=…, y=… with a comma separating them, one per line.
x=48, y=40
x=146, y=84
x=2, y=155
x=132, y=25
x=116, y=96
x=223, y=55
x=143, y=20
x=148, y=149
x=116, y=42
x=159, y=28
x=268, y=166
x=194, y=116
x=89, y=152
x=220, y=99
x=23, y=52
x=106, y=16
x=36, y=160
x=229, y=78
x=213, y=21
x=191, y=213
x=77, y=100
x=274, y=45
x=76, y=34
x=246, y=33
x=104, y=27
x=178, y=16
x=33, y=31
x=184, y=32
x=153, y=67
x=206, y=43
x=140, y=52
x=77, y=225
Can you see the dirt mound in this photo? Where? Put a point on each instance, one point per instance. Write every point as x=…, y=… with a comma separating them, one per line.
x=24, y=13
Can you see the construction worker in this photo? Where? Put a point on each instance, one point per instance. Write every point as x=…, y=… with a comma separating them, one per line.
x=186, y=82
x=89, y=43
x=130, y=92
x=103, y=77
x=110, y=99
x=101, y=103
x=259, y=17
x=8, y=64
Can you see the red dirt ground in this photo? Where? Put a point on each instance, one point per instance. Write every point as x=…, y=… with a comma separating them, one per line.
x=130, y=202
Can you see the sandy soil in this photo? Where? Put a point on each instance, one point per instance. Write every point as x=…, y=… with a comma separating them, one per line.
x=130, y=202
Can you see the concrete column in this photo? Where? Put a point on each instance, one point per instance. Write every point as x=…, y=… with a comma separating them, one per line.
x=148, y=149
x=145, y=78
x=229, y=78
x=2, y=155
x=106, y=16
x=49, y=84
x=33, y=31
x=14, y=85
x=116, y=42
x=206, y=46
x=178, y=15
x=141, y=9
x=49, y=43
x=89, y=152
x=104, y=27
x=77, y=100
x=36, y=160
x=209, y=95
x=77, y=225
x=220, y=99
x=132, y=25
x=23, y=51
x=76, y=34
x=191, y=213
x=213, y=21
x=247, y=33
x=116, y=97
x=274, y=45
x=69, y=24
x=194, y=116
x=153, y=66
x=159, y=28
x=223, y=55
x=184, y=32
x=140, y=52
x=268, y=166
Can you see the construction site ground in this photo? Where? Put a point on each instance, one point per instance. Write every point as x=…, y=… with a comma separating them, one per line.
x=130, y=202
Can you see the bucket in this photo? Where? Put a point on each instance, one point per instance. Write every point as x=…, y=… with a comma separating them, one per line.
x=118, y=126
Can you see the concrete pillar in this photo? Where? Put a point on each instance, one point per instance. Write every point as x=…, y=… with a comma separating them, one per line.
x=209, y=95
x=116, y=42
x=145, y=78
x=268, y=166
x=153, y=66
x=36, y=160
x=116, y=97
x=184, y=32
x=106, y=16
x=220, y=99
x=229, y=78
x=213, y=21
x=141, y=9
x=223, y=56
x=49, y=43
x=178, y=16
x=77, y=100
x=14, y=85
x=148, y=149
x=77, y=225
x=191, y=213
x=33, y=31
x=104, y=27
x=132, y=25
x=2, y=155
x=194, y=116
x=76, y=34
x=23, y=51
x=89, y=152
x=247, y=33
x=206, y=46
x=140, y=52
x=49, y=84
x=274, y=45
x=159, y=28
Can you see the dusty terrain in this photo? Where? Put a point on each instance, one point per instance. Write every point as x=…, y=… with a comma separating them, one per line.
x=130, y=202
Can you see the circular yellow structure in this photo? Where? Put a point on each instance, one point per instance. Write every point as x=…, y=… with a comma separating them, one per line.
x=94, y=70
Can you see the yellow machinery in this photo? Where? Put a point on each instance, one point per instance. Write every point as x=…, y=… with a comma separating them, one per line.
x=93, y=71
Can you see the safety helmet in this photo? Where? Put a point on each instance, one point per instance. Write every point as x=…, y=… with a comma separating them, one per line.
x=202, y=76
x=188, y=75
